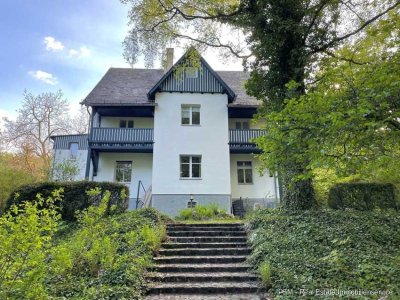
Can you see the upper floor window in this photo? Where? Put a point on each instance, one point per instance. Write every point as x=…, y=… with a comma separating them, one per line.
x=190, y=115
x=123, y=171
x=73, y=150
x=191, y=72
x=245, y=172
x=242, y=125
x=126, y=123
x=190, y=166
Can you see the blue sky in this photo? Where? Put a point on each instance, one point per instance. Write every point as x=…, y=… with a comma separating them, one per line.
x=47, y=45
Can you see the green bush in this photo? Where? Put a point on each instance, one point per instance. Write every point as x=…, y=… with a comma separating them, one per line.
x=75, y=195
x=265, y=273
x=26, y=233
x=362, y=196
x=203, y=213
x=327, y=249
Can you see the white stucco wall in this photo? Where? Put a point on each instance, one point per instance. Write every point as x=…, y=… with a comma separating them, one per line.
x=113, y=122
x=262, y=187
x=209, y=139
x=141, y=170
x=61, y=155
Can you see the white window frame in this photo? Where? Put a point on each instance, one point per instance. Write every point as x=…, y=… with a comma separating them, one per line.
x=241, y=167
x=189, y=108
x=116, y=171
x=71, y=154
x=190, y=163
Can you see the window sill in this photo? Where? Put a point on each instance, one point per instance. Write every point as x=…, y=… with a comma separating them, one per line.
x=245, y=183
x=190, y=178
x=191, y=125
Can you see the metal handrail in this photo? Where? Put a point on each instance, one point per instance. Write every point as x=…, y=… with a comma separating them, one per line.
x=140, y=185
x=121, y=135
x=245, y=136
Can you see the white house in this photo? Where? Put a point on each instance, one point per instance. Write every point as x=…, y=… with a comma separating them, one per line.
x=186, y=133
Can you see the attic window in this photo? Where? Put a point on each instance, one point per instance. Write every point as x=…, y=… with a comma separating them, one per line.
x=191, y=72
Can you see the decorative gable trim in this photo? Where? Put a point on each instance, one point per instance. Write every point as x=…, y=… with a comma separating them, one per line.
x=207, y=81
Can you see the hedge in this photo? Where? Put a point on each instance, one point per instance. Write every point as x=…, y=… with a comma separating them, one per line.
x=362, y=196
x=75, y=197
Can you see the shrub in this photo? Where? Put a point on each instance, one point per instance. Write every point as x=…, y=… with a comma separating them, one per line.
x=26, y=238
x=203, y=213
x=362, y=196
x=106, y=257
x=327, y=249
x=265, y=273
x=75, y=196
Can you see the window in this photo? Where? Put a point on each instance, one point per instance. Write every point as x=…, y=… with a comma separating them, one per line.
x=73, y=150
x=123, y=171
x=245, y=172
x=190, y=115
x=125, y=123
x=191, y=72
x=242, y=125
x=190, y=166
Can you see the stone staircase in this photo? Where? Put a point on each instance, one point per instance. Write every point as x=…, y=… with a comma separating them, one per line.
x=204, y=261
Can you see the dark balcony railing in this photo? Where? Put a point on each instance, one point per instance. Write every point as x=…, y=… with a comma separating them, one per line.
x=121, y=138
x=241, y=140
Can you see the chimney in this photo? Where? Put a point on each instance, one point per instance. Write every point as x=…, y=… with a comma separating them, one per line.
x=169, y=62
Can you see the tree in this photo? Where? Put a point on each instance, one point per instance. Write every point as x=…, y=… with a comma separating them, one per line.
x=65, y=170
x=351, y=117
x=284, y=41
x=80, y=122
x=39, y=118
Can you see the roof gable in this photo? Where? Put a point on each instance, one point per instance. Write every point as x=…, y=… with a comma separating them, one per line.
x=207, y=81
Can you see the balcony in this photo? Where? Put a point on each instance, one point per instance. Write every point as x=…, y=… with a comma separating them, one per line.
x=122, y=139
x=241, y=140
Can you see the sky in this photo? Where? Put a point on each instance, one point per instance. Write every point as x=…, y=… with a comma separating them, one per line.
x=48, y=45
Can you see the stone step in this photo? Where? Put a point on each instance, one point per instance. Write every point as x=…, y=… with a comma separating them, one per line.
x=203, y=245
x=201, y=268
x=209, y=239
x=203, y=287
x=236, y=233
x=202, y=277
x=201, y=228
x=232, y=296
x=205, y=225
x=205, y=251
x=199, y=259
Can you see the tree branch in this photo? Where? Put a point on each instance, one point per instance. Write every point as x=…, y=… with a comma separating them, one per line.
x=346, y=36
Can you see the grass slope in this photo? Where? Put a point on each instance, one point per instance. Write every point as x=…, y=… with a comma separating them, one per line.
x=327, y=249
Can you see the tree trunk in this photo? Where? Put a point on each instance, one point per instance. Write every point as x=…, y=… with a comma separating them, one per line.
x=297, y=194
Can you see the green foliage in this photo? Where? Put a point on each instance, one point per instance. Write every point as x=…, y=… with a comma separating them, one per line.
x=265, y=273
x=11, y=177
x=327, y=249
x=106, y=256
x=362, y=196
x=203, y=212
x=26, y=233
x=65, y=170
x=75, y=196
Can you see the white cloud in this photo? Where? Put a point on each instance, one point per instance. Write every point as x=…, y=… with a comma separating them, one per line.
x=44, y=77
x=82, y=52
x=52, y=44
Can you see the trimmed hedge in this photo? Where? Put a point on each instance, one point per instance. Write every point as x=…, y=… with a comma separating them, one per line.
x=362, y=196
x=75, y=197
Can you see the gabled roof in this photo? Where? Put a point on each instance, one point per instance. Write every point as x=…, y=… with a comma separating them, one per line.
x=137, y=87
x=207, y=81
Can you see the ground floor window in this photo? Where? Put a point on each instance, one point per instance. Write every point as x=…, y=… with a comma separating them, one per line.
x=245, y=172
x=123, y=171
x=190, y=166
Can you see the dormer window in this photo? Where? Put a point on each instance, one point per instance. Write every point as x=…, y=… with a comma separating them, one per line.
x=73, y=150
x=191, y=72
